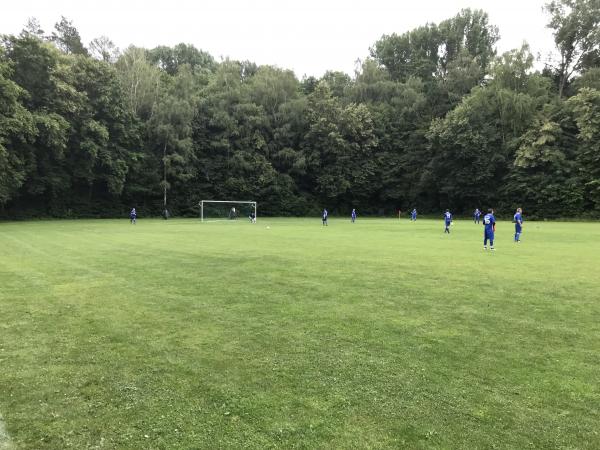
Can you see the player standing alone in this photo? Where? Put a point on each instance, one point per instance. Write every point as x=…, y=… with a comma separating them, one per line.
x=489, y=224
x=325, y=214
x=413, y=215
x=132, y=216
x=476, y=215
x=518, y=219
x=447, y=221
x=353, y=216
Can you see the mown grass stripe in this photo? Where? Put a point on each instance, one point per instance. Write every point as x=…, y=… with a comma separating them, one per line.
x=5, y=442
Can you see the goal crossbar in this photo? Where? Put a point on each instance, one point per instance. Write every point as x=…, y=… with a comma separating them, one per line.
x=243, y=202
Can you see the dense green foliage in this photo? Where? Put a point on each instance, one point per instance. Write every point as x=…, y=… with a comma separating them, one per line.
x=434, y=118
x=382, y=334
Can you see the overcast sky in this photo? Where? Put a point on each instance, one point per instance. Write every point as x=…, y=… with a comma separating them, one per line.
x=308, y=36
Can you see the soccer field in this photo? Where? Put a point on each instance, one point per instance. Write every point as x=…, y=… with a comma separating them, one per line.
x=383, y=334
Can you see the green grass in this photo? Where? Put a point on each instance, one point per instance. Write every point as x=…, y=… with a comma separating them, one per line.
x=381, y=334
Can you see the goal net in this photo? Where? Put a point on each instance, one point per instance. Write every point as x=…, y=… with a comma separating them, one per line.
x=211, y=210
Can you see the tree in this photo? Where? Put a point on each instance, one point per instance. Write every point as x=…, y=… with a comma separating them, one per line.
x=140, y=82
x=589, y=79
x=104, y=131
x=429, y=51
x=33, y=28
x=170, y=59
x=400, y=118
x=545, y=178
x=433, y=118
x=412, y=54
x=576, y=28
x=17, y=131
x=79, y=149
x=171, y=127
x=473, y=147
x=48, y=95
x=104, y=49
x=66, y=37
x=585, y=107
x=338, y=82
x=339, y=146
x=34, y=64
x=467, y=35
x=230, y=133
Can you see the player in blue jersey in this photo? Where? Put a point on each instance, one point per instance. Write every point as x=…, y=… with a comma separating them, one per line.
x=447, y=221
x=476, y=215
x=132, y=216
x=325, y=215
x=489, y=224
x=413, y=215
x=353, y=215
x=518, y=220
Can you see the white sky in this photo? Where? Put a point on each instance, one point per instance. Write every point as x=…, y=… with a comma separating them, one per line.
x=308, y=36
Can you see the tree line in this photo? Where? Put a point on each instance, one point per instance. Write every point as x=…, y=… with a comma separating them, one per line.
x=434, y=118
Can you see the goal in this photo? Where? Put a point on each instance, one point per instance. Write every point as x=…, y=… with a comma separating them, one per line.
x=211, y=210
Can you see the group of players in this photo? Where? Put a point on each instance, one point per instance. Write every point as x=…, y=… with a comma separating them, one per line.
x=489, y=223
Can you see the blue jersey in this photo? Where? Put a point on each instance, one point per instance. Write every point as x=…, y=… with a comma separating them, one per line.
x=518, y=219
x=477, y=213
x=488, y=222
x=324, y=214
x=447, y=217
x=353, y=214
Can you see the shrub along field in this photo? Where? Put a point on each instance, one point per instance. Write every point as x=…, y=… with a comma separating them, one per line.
x=381, y=334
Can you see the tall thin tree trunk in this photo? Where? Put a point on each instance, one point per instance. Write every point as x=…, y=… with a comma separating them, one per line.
x=165, y=175
x=561, y=85
x=564, y=67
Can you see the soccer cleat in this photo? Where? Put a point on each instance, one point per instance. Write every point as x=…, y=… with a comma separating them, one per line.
x=485, y=247
x=492, y=249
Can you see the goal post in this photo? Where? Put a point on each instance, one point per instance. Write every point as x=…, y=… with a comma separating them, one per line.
x=227, y=210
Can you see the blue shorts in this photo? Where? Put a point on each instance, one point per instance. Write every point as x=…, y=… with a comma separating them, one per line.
x=489, y=235
x=518, y=228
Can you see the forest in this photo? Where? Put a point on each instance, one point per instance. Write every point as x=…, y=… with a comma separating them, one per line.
x=434, y=118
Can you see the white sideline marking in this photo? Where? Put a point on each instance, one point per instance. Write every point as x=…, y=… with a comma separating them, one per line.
x=5, y=443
